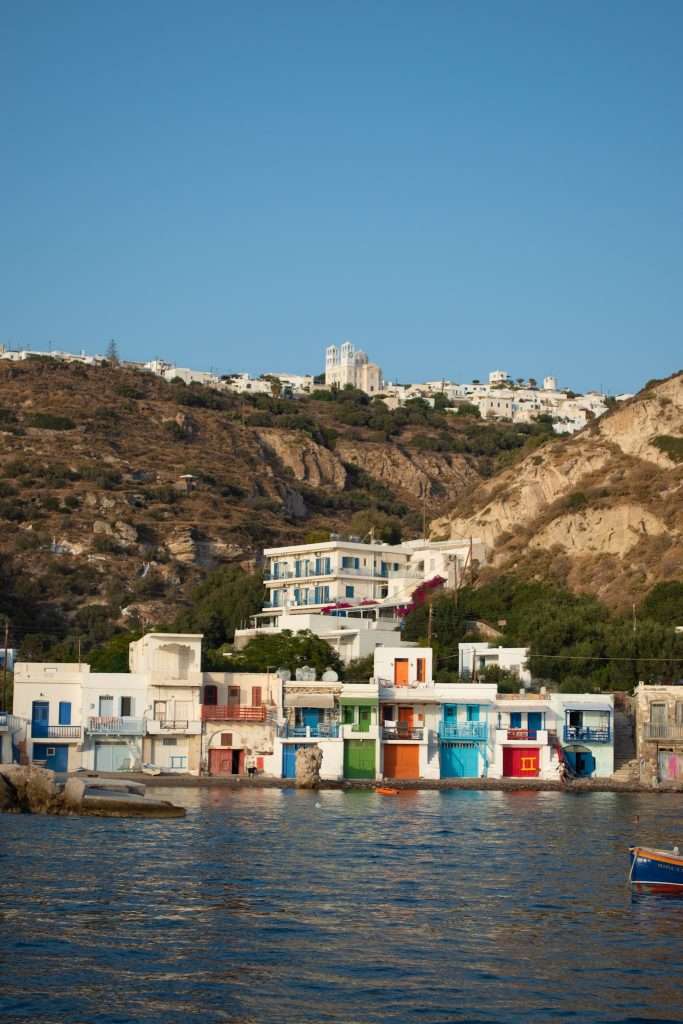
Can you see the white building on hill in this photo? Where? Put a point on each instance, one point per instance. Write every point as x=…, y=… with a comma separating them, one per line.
x=348, y=366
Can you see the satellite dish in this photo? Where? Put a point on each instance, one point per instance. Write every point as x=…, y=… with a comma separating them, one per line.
x=330, y=676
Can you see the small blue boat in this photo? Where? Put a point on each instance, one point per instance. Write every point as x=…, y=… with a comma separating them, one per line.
x=658, y=870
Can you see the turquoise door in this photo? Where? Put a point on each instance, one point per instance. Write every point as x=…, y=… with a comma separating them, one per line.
x=56, y=757
x=289, y=760
x=534, y=723
x=310, y=717
x=450, y=714
x=459, y=761
x=472, y=712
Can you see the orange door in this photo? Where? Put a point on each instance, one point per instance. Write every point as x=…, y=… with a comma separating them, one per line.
x=400, y=672
x=405, y=716
x=401, y=762
x=421, y=670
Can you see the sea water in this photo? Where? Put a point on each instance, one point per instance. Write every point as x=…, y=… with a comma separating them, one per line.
x=278, y=905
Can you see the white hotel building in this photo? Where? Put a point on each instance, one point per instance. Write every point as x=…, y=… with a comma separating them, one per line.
x=348, y=592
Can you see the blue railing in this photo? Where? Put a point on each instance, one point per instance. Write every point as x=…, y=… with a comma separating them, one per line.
x=477, y=731
x=329, y=730
x=586, y=734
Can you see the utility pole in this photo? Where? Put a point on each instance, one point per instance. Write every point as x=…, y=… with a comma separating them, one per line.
x=429, y=624
x=4, y=667
x=424, y=513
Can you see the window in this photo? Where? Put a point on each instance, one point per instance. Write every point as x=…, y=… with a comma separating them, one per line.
x=515, y=719
x=349, y=592
x=256, y=698
x=211, y=695
x=106, y=706
x=126, y=707
x=65, y=712
x=226, y=739
x=679, y=712
x=159, y=710
x=50, y=751
x=234, y=696
x=421, y=670
x=169, y=742
x=348, y=715
x=658, y=714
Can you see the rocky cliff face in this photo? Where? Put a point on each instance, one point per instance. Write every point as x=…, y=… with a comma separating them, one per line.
x=118, y=490
x=603, y=511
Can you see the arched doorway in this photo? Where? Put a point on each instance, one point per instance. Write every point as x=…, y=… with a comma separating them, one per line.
x=580, y=759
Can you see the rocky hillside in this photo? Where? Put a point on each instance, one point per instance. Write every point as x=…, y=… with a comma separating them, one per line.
x=119, y=490
x=602, y=512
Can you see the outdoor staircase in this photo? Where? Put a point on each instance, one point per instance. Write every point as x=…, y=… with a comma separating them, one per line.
x=626, y=765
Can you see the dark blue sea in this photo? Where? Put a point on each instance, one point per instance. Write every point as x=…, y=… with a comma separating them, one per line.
x=269, y=905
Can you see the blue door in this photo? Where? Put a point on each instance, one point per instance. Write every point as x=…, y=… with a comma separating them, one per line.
x=40, y=716
x=472, y=712
x=65, y=712
x=55, y=756
x=450, y=713
x=289, y=760
x=459, y=761
x=310, y=717
x=534, y=723
x=515, y=719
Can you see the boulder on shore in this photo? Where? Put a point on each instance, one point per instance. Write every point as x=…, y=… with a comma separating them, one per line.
x=308, y=762
x=27, y=789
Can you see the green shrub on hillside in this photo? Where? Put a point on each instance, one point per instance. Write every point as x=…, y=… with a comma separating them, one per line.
x=48, y=421
x=671, y=446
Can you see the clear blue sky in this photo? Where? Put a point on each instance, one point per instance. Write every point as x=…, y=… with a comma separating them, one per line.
x=454, y=186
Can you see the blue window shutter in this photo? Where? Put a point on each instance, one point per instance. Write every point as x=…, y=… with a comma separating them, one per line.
x=65, y=712
x=349, y=591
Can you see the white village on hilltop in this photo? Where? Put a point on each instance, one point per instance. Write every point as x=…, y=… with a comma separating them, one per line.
x=501, y=397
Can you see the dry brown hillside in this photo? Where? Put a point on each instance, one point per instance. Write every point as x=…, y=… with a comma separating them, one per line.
x=117, y=487
x=603, y=512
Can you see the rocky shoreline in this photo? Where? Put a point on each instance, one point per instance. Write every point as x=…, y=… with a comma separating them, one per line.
x=33, y=790
x=576, y=787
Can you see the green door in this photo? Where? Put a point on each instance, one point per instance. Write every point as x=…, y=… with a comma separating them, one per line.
x=359, y=759
x=363, y=719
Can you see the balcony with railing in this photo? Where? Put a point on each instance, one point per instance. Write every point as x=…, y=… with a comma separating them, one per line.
x=587, y=734
x=165, y=726
x=324, y=730
x=401, y=732
x=233, y=713
x=43, y=731
x=539, y=737
x=10, y=723
x=476, y=732
x=109, y=725
x=662, y=732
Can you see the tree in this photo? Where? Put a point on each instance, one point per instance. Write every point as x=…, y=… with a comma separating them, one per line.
x=372, y=520
x=113, y=655
x=286, y=650
x=221, y=603
x=360, y=669
x=112, y=352
x=664, y=603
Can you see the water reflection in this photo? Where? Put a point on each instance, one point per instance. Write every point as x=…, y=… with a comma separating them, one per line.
x=283, y=905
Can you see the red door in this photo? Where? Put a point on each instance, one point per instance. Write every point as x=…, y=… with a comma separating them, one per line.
x=220, y=762
x=521, y=762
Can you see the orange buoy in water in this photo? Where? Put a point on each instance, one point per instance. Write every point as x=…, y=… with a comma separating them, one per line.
x=387, y=791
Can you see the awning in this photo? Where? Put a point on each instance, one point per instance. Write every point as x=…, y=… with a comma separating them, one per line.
x=359, y=702
x=571, y=705
x=309, y=700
